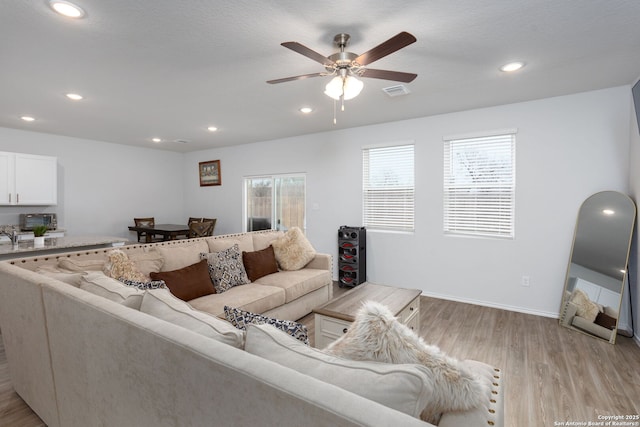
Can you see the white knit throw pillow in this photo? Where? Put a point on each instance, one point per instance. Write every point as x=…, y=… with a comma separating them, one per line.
x=293, y=251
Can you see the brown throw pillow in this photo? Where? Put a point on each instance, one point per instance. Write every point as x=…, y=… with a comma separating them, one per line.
x=260, y=263
x=606, y=321
x=190, y=282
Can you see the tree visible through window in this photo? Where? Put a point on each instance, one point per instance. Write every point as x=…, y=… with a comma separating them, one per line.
x=275, y=202
x=479, y=186
x=388, y=187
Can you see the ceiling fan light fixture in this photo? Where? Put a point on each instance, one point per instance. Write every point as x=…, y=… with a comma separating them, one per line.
x=343, y=87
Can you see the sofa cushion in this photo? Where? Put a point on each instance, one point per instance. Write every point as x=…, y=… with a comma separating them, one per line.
x=241, y=318
x=259, y=263
x=250, y=297
x=189, y=282
x=162, y=304
x=71, y=278
x=146, y=262
x=225, y=268
x=297, y=283
x=72, y=264
x=244, y=242
x=263, y=240
x=293, y=250
x=97, y=283
x=180, y=256
x=402, y=387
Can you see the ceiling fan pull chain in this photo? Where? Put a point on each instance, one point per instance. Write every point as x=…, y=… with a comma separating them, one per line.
x=334, y=112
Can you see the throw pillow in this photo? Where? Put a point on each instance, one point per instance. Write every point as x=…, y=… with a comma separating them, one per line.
x=187, y=283
x=606, y=321
x=162, y=304
x=293, y=251
x=226, y=269
x=119, y=266
x=377, y=335
x=404, y=388
x=97, y=283
x=240, y=319
x=585, y=307
x=259, y=263
x=143, y=286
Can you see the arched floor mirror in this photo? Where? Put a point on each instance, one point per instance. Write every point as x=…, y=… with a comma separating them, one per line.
x=597, y=269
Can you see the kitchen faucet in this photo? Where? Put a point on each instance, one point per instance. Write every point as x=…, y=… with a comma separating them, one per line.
x=13, y=236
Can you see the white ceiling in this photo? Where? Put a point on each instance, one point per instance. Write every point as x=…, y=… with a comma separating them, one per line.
x=171, y=68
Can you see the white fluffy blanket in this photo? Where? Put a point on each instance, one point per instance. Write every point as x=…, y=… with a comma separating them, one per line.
x=378, y=336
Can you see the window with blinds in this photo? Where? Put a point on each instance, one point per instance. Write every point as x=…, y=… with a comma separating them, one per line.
x=388, y=187
x=479, y=186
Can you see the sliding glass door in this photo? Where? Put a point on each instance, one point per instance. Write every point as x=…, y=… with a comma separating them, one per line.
x=275, y=202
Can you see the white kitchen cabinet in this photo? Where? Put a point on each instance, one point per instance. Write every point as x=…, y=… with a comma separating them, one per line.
x=28, y=179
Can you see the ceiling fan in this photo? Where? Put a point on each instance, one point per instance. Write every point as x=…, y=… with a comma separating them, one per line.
x=345, y=66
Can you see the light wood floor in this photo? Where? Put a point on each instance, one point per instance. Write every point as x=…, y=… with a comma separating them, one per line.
x=552, y=374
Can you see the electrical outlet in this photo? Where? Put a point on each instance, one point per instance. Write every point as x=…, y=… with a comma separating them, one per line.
x=525, y=281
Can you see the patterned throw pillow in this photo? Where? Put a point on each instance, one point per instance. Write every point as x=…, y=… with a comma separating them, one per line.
x=241, y=318
x=153, y=284
x=226, y=268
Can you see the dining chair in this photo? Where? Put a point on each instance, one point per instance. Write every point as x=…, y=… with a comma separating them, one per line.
x=144, y=222
x=213, y=224
x=193, y=219
x=200, y=229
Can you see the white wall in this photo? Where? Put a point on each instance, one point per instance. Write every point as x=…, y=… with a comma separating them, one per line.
x=102, y=186
x=567, y=149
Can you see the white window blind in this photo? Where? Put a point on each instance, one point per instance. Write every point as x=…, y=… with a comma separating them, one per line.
x=479, y=186
x=388, y=187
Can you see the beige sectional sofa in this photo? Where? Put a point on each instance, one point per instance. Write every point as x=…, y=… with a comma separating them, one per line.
x=81, y=359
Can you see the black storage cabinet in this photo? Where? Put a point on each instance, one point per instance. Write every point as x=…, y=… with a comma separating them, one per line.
x=352, y=256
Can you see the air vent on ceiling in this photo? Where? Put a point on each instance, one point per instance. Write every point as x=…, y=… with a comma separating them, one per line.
x=397, y=90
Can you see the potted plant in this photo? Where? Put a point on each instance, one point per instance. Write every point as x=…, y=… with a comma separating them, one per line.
x=38, y=235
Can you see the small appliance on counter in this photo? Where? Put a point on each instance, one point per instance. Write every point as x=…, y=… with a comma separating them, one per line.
x=29, y=221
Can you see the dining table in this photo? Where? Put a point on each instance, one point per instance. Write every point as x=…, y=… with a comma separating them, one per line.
x=167, y=231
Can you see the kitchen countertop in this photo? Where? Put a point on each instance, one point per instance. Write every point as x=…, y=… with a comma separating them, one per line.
x=58, y=244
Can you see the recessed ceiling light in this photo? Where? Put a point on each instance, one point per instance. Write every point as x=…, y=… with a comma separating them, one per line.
x=512, y=66
x=66, y=8
x=212, y=128
x=306, y=110
x=608, y=211
x=27, y=118
x=156, y=139
x=74, y=96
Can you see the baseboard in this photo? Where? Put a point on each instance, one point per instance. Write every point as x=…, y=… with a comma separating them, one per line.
x=541, y=313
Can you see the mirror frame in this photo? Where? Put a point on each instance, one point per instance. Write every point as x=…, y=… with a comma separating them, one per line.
x=564, y=300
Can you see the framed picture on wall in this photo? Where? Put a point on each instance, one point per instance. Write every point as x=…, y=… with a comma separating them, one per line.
x=210, y=173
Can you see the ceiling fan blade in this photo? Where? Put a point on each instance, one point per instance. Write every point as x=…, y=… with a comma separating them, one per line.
x=311, y=54
x=395, y=43
x=397, y=76
x=289, y=79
